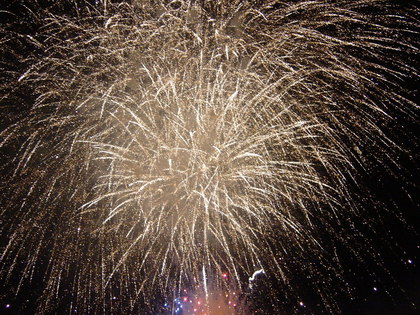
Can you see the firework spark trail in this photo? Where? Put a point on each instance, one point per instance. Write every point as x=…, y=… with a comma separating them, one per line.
x=168, y=141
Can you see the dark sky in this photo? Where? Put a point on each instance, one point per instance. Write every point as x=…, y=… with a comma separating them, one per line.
x=384, y=282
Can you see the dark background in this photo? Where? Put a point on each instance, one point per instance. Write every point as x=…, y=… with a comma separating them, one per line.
x=396, y=192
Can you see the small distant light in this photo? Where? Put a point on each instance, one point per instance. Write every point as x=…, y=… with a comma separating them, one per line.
x=301, y=304
x=7, y=305
x=224, y=275
x=114, y=298
x=199, y=303
x=410, y=261
x=375, y=289
x=230, y=302
x=185, y=299
x=165, y=305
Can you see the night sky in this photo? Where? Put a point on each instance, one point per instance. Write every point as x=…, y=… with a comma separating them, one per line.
x=155, y=154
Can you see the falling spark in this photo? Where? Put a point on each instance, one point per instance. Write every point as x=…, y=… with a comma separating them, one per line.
x=252, y=278
x=205, y=283
x=256, y=273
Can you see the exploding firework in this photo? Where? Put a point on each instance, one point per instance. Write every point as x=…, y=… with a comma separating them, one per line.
x=148, y=147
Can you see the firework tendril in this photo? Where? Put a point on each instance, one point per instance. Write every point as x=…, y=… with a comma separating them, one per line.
x=148, y=145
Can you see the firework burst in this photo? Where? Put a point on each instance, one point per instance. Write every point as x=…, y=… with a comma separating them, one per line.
x=147, y=146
